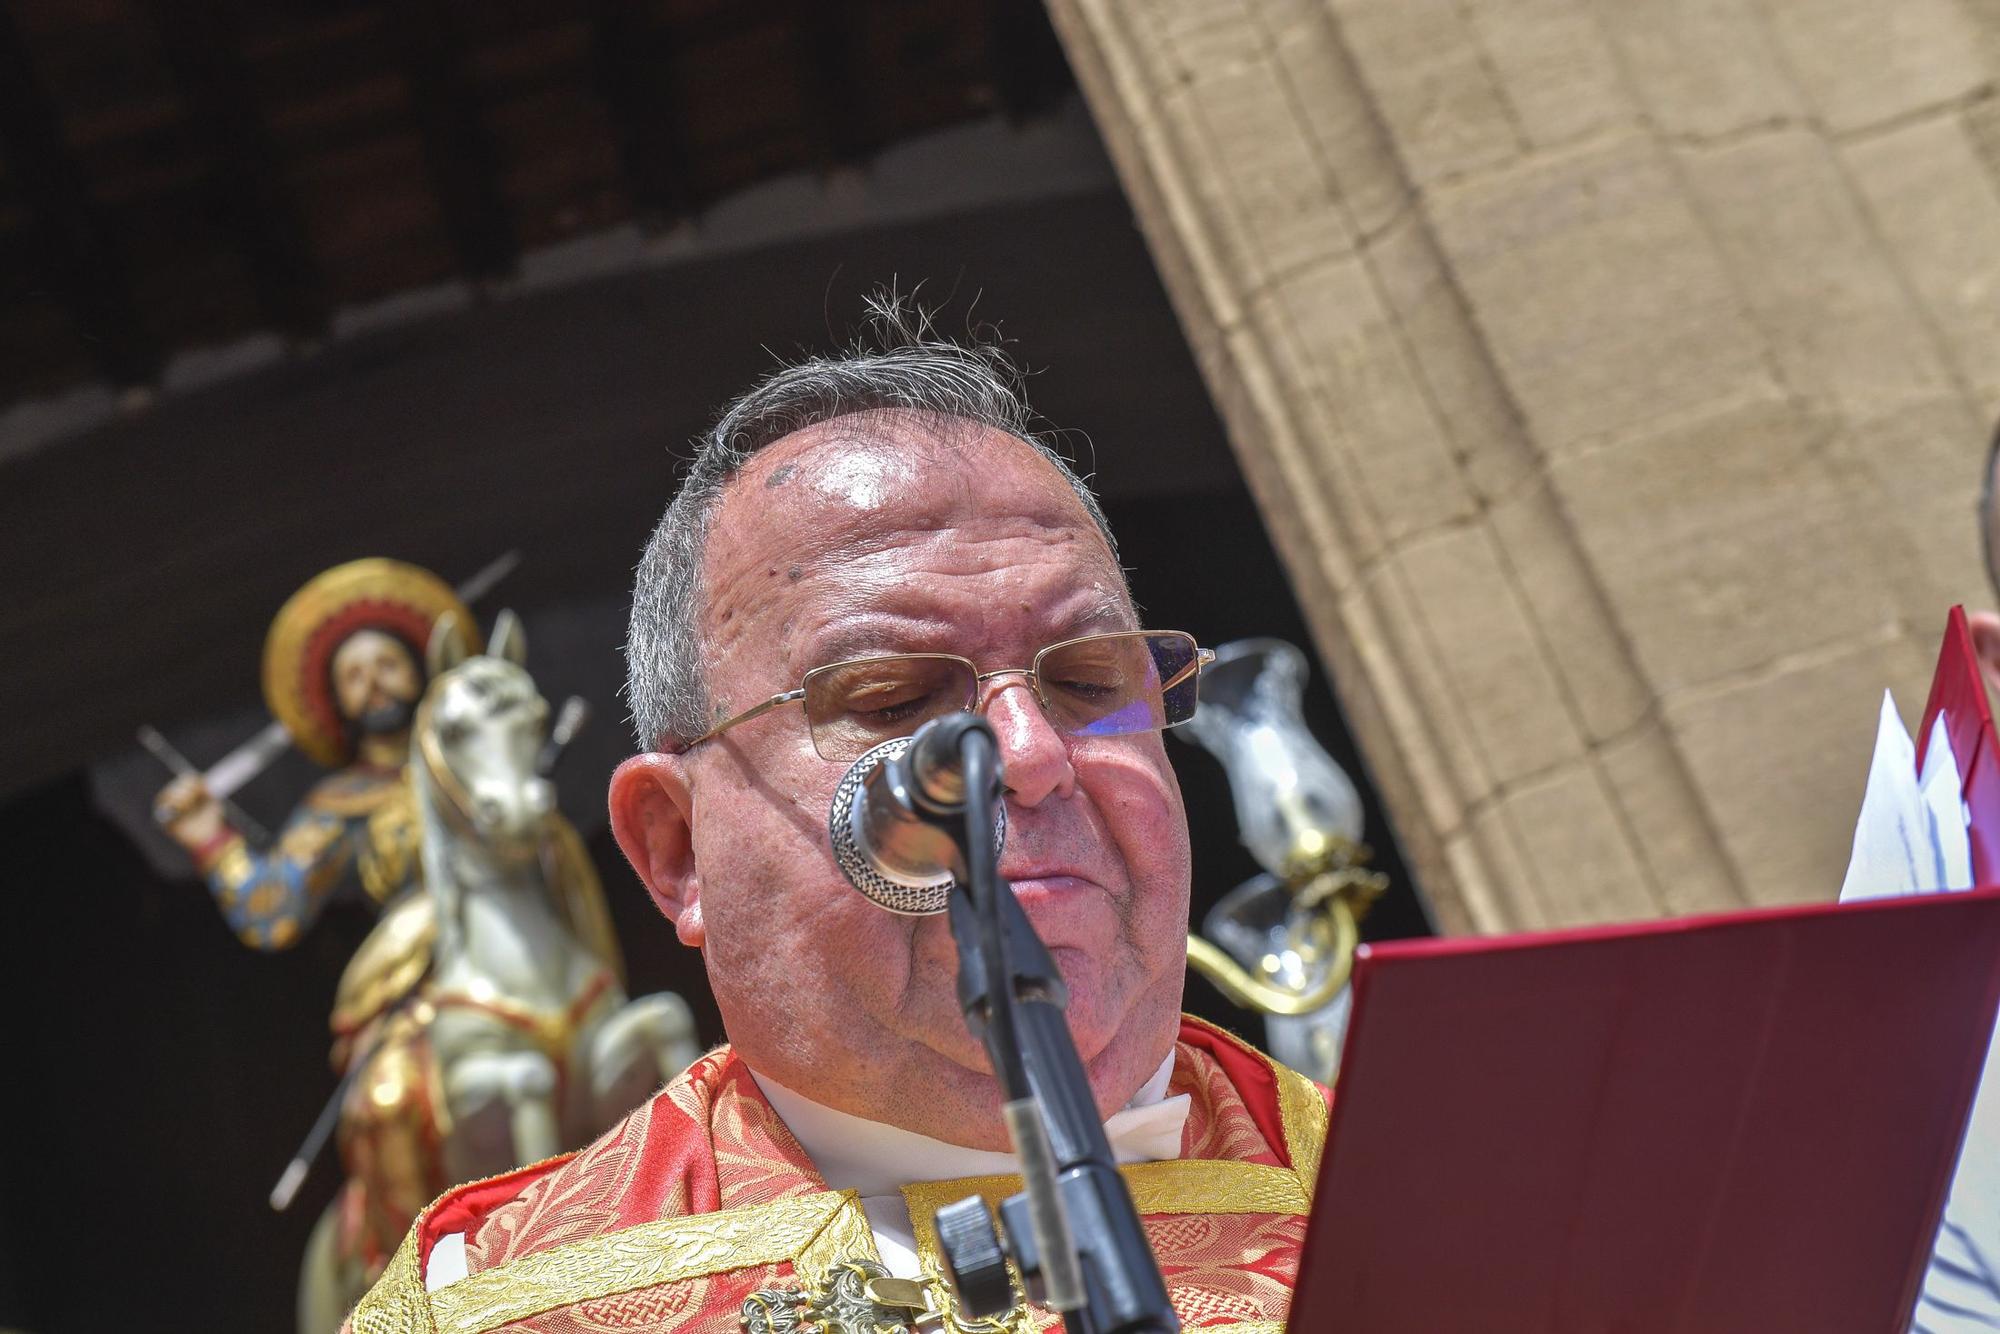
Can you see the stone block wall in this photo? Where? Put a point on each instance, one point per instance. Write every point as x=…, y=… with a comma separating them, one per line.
x=1614, y=376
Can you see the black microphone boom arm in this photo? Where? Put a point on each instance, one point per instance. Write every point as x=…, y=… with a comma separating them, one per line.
x=1074, y=1233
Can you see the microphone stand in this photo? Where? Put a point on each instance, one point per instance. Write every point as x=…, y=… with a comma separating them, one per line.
x=1074, y=1233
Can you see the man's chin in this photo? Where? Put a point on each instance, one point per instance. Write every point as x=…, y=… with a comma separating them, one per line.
x=1115, y=1042
x=1098, y=1003
x=1088, y=1010
x=1102, y=1011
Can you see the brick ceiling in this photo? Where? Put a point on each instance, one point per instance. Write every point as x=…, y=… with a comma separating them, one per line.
x=177, y=174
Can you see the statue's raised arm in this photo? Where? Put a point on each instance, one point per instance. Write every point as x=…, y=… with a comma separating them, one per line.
x=343, y=671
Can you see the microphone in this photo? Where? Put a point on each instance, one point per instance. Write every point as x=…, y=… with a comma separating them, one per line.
x=883, y=821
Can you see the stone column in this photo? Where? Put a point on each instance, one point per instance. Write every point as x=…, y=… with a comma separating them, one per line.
x=1613, y=376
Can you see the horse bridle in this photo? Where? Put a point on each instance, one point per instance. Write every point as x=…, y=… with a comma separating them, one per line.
x=442, y=777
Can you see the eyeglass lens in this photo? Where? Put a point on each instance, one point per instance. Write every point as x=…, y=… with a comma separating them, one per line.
x=1101, y=685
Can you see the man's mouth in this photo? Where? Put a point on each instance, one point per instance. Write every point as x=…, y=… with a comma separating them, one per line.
x=1034, y=884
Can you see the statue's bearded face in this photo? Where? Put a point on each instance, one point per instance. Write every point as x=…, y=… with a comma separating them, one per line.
x=376, y=682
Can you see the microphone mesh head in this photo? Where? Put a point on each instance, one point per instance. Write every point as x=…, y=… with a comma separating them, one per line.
x=916, y=898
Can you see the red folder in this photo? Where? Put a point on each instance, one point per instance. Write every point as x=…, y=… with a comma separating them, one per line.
x=1958, y=695
x=1719, y=1124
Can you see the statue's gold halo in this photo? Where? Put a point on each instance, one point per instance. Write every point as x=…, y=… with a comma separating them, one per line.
x=370, y=594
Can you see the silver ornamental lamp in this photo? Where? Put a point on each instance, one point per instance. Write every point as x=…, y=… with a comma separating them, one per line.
x=1283, y=942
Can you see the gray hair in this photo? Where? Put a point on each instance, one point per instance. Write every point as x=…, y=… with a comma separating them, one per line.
x=905, y=366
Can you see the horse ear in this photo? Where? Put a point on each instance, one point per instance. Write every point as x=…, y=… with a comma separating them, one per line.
x=510, y=640
x=447, y=646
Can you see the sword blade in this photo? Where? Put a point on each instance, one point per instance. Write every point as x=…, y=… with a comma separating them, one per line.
x=482, y=583
x=166, y=753
x=248, y=760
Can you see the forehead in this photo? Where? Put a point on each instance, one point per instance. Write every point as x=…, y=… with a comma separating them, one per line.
x=368, y=643
x=890, y=507
x=871, y=480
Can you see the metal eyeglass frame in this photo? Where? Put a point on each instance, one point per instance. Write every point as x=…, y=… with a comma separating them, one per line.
x=1202, y=658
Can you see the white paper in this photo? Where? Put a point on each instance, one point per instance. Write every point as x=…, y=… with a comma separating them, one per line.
x=1944, y=805
x=1910, y=837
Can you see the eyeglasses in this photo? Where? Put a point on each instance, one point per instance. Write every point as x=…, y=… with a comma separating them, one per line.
x=1096, y=685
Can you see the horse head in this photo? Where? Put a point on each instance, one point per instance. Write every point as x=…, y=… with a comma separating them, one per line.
x=478, y=735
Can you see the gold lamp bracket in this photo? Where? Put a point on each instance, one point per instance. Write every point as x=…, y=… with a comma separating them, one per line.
x=1332, y=890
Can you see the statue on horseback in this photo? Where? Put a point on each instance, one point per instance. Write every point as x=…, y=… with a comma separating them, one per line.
x=537, y=1044
x=484, y=1022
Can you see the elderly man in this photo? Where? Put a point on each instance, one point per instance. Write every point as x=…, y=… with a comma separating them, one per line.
x=864, y=543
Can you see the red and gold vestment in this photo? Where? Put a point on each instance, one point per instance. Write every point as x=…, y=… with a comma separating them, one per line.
x=702, y=1197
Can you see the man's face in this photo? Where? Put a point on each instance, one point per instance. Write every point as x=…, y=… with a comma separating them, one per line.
x=375, y=682
x=864, y=536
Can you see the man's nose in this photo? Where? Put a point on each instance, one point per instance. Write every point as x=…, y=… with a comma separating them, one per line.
x=1034, y=755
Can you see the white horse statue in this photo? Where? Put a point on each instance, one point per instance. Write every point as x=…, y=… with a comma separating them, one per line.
x=538, y=1046
x=522, y=1033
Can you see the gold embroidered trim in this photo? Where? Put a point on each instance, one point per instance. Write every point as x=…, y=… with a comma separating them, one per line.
x=1215, y=1186
x=1303, y=1111
x=665, y=1251
x=1177, y=1186
x=1182, y=1186
x=395, y=1305
x=846, y=1236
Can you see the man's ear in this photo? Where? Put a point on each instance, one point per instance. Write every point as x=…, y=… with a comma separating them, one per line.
x=652, y=817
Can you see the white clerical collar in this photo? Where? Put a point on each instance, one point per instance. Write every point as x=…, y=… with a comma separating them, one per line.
x=874, y=1159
